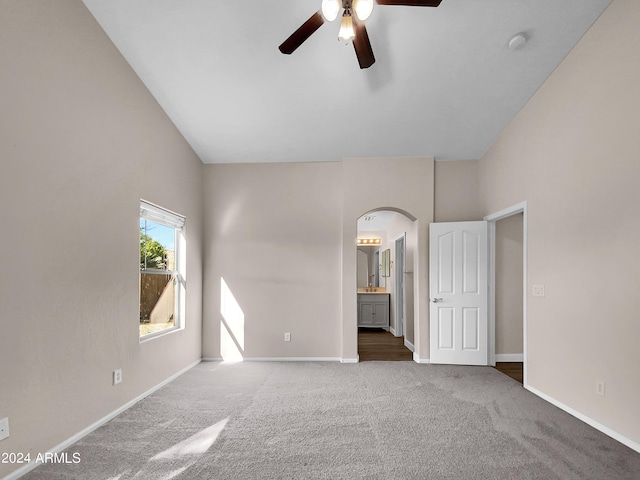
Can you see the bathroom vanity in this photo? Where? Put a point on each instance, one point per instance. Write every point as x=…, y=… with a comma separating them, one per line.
x=373, y=308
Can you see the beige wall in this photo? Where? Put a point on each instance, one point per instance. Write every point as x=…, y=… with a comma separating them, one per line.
x=273, y=235
x=280, y=238
x=508, y=284
x=456, y=191
x=572, y=153
x=81, y=141
x=407, y=186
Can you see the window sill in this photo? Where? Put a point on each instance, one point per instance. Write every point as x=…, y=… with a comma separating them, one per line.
x=161, y=333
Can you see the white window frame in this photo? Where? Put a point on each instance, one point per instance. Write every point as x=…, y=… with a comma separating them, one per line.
x=167, y=218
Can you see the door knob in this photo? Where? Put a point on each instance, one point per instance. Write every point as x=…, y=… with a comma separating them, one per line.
x=436, y=300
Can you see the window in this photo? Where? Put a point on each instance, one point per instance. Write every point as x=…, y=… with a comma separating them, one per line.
x=161, y=270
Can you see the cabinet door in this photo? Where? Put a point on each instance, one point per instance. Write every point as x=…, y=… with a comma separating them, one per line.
x=366, y=314
x=381, y=314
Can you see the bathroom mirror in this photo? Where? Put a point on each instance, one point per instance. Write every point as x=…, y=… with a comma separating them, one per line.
x=386, y=263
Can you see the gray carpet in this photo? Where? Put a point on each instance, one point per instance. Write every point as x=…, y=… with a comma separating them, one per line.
x=373, y=420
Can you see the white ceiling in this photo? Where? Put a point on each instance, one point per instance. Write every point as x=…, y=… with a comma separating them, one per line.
x=444, y=82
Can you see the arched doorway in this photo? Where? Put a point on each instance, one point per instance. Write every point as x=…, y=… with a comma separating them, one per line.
x=386, y=249
x=401, y=184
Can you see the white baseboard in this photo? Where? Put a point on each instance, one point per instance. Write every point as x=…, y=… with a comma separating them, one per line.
x=293, y=359
x=284, y=359
x=350, y=360
x=83, y=433
x=288, y=359
x=409, y=345
x=500, y=357
x=509, y=357
x=589, y=421
x=417, y=359
x=393, y=331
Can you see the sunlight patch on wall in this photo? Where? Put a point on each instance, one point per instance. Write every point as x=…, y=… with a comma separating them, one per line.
x=231, y=326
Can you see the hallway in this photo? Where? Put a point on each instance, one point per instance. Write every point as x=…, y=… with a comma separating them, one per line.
x=378, y=344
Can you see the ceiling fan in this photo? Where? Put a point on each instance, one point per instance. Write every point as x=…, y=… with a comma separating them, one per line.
x=352, y=28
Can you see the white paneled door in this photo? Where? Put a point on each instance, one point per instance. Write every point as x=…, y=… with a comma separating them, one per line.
x=458, y=281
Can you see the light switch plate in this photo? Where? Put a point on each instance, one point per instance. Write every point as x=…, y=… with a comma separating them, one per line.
x=538, y=290
x=117, y=376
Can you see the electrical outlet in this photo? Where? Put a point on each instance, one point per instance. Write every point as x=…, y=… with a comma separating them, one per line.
x=600, y=387
x=538, y=290
x=4, y=428
x=287, y=336
x=117, y=376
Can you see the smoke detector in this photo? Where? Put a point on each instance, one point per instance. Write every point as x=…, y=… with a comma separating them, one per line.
x=517, y=41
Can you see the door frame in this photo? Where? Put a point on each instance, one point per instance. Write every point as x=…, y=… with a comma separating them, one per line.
x=400, y=284
x=492, y=219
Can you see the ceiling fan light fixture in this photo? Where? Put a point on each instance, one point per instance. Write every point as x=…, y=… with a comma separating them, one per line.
x=363, y=8
x=330, y=9
x=346, y=33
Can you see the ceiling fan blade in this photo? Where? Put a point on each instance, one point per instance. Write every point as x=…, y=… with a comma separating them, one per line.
x=362, y=46
x=298, y=37
x=410, y=3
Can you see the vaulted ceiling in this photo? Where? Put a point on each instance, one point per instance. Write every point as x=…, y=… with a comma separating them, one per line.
x=444, y=82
